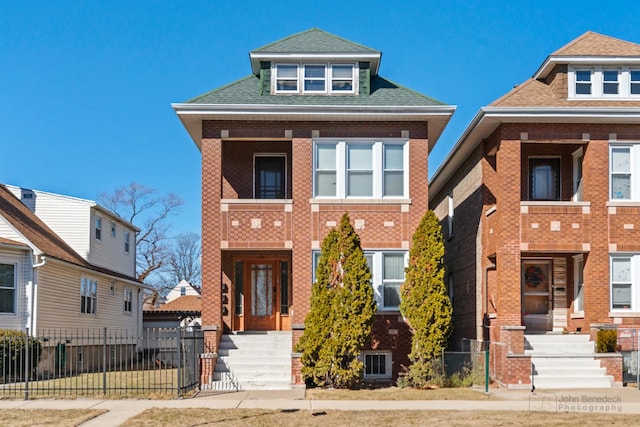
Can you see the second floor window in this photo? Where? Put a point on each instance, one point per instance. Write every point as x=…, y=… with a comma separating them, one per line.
x=128, y=298
x=544, y=179
x=269, y=176
x=623, y=172
x=127, y=241
x=98, y=228
x=360, y=169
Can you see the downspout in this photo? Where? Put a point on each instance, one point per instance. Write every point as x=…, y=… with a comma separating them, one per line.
x=34, y=293
x=486, y=299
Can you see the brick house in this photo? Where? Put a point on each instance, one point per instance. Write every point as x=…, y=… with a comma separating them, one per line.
x=314, y=131
x=540, y=204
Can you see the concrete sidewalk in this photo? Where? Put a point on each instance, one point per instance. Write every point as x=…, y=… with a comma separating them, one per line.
x=621, y=400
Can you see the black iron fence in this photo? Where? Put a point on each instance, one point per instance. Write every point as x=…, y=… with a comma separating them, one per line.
x=163, y=362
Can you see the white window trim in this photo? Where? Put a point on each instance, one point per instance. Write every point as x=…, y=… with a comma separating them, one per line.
x=634, y=169
x=388, y=363
x=90, y=282
x=597, y=82
x=635, y=268
x=576, y=262
x=303, y=80
x=328, y=79
x=286, y=183
x=98, y=228
x=127, y=242
x=377, y=274
x=113, y=229
x=378, y=167
x=128, y=292
x=577, y=181
x=15, y=290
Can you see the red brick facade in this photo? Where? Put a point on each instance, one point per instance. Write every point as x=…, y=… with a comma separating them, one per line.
x=236, y=225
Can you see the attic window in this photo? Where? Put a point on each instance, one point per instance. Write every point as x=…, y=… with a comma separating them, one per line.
x=604, y=83
x=315, y=79
x=27, y=196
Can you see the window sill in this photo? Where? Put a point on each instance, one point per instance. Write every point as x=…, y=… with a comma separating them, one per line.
x=623, y=203
x=553, y=203
x=628, y=313
x=256, y=201
x=358, y=201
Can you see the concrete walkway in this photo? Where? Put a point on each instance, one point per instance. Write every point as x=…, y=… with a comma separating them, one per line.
x=616, y=401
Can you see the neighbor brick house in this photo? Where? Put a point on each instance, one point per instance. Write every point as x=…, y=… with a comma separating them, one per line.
x=313, y=132
x=540, y=202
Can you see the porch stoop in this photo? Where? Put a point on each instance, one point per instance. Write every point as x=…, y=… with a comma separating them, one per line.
x=253, y=361
x=565, y=361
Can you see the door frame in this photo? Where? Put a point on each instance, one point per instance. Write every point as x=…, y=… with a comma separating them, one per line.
x=244, y=320
x=535, y=300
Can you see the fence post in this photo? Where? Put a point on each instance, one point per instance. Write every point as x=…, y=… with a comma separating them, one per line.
x=104, y=361
x=179, y=334
x=26, y=366
x=486, y=367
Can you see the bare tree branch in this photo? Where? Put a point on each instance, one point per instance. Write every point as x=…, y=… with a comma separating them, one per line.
x=136, y=202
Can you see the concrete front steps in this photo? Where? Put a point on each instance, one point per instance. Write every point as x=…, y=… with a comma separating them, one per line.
x=253, y=361
x=565, y=361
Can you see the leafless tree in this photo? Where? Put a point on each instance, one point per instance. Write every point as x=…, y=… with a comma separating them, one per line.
x=149, y=211
x=185, y=259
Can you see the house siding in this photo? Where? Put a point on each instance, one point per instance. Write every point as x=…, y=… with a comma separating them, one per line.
x=21, y=259
x=59, y=301
x=108, y=252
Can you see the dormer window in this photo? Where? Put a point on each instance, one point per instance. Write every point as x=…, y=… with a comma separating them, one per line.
x=315, y=79
x=583, y=82
x=287, y=78
x=604, y=83
x=610, y=82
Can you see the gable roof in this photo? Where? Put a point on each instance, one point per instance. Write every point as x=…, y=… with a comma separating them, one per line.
x=41, y=236
x=595, y=44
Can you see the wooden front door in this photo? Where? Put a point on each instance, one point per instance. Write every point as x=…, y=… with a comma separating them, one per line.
x=261, y=290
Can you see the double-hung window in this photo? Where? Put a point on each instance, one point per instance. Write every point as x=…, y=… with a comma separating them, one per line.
x=623, y=294
x=342, y=78
x=583, y=82
x=360, y=169
x=610, y=82
x=98, y=228
x=128, y=298
x=315, y=78
x=127, y=241
x=597, y=82
x=387, y=275
x=624, y=171
x=286, y=78
x=634, y=82
x=7, y=288
x=88, y=295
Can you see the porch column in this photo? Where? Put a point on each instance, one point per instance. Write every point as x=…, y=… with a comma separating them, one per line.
x=211, y=243
x=508, y=295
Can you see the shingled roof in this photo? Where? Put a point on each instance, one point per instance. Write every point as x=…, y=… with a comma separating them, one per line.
x=594, y=44
x=40, y=235
x=187, y=303
x=314, y=40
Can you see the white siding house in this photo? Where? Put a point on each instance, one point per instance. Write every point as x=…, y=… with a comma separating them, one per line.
x=96, y=234
x=46, y=284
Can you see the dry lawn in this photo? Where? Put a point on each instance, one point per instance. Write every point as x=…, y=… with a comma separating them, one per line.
x=294, y=418
x=47, y=417
x=395, y=393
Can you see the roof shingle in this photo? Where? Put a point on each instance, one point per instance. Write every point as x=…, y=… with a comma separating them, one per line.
x=594, y=44
x=314, y=40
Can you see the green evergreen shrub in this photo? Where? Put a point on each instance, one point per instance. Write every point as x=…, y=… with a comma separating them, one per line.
x=607, y=341
x=13, y=354
x=425, y=304
x=341, y=314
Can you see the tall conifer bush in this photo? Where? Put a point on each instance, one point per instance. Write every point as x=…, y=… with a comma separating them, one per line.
x=342, y=312
x=424, y=301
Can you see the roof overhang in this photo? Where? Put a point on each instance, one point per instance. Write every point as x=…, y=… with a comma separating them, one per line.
x=372, y=58
x=489, y=118
x=192, y=115
x=554, y=60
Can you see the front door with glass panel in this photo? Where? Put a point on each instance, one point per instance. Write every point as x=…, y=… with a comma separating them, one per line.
x=261, y=289
x=536, y=283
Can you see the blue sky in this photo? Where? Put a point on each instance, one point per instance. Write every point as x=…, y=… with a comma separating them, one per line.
x=87, y=86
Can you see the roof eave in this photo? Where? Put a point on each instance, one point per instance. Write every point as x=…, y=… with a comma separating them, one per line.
x=553, y=60
x=192, y=115
x=257, y=57
x=488, y=118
